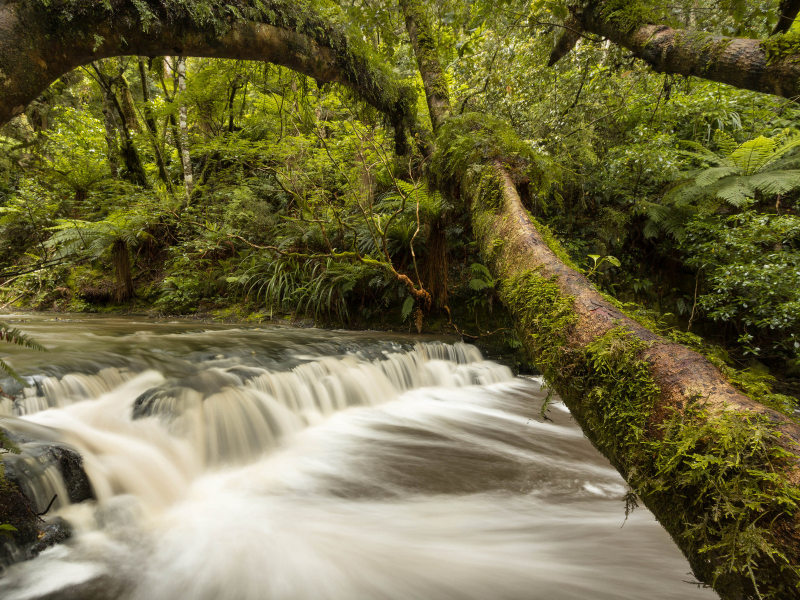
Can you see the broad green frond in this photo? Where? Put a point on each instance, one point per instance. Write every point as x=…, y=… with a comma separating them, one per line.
x=775, y=182
x=754, y=154
x=15, y=336
x=737, y=193
x=725, y=142
x=711, y=175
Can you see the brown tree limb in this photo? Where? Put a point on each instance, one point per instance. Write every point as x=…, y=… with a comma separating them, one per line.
x=39, y=43
x=740, y=62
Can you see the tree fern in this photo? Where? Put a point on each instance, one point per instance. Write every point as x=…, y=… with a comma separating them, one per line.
x=734, y=176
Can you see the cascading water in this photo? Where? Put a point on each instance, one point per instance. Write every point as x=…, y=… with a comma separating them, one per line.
x=274, y=463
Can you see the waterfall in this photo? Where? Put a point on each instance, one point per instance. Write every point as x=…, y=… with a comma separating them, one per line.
x=280, y=464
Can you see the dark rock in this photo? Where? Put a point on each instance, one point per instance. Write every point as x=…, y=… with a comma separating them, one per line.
x=70, y=464
x=53, y=533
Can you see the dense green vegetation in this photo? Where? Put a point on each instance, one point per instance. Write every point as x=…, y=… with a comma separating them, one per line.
x=243, y=190
x=299, y=206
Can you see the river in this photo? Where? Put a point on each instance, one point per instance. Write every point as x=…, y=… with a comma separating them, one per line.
x=268, y=462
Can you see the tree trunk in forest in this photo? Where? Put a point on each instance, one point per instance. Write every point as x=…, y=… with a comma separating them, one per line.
x=438, y=98
x=152, y=128
x=186, y=159
x=424, y=43
x=787, y=13
x=758, y=65
x=569, y=342
x=436, y=263
x=127, y=105
x=111, y=137
x=134, y=170
x=122, y=267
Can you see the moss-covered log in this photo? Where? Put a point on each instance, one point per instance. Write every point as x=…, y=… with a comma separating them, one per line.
x=769, y=66
x=717, y=469
x=42, y=40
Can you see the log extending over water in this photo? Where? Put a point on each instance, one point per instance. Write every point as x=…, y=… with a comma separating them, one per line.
x=683, y=377
x=40, y=42
x=744, y=63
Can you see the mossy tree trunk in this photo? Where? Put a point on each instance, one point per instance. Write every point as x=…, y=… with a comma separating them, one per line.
x=768, y=66
x=152, y=127
x=183, y=112
x=424, y=43
x=627, y=387
x=787, y=13
x=40, y=41
x=134, y=170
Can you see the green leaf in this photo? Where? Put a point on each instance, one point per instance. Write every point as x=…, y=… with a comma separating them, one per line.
x=408, y=305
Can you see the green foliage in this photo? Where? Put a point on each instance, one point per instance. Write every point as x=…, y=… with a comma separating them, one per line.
x=752, y=267
x=12, y=335
x=735, y=175
x=620, y=393
x=546, y=317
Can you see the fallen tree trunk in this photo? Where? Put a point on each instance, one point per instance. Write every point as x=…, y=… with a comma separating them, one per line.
x=769, y=66
x=717, y=469
x=41, y=41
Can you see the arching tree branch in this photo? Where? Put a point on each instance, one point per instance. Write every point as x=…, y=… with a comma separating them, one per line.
x=744, y=63
x=40, y=41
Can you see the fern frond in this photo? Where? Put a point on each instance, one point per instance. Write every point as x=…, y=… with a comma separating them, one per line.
x=753, y=154
x=15, y=336
x=775, y=182
x=725, y=142
x=709, y=176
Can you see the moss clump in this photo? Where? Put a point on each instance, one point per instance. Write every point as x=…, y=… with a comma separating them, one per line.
x=717, y=482
x=554, y=244
x=320, y=20
x=475, y=140
x=618, y=394
x=782, y=46
x=545, y=318
x=629, y=15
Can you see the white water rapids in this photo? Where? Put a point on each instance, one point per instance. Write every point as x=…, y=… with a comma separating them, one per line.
x=281, y=464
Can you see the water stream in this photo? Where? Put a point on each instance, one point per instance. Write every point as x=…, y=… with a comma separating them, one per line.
x=249, y=463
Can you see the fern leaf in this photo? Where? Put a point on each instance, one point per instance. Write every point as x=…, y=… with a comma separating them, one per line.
x=408, y=306
x=709, y=176
x=15, y=336
x=775, y=182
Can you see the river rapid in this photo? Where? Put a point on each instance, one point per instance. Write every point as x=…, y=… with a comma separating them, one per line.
x=267, y=462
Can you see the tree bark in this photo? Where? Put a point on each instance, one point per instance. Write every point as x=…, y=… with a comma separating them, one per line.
x=122, y=268
x=152, y=128
x=682, y=375
x=787, y=13
x=516, y=252
x=740, y=62
x=134, y=170
x=186, y=159
x=424, y=44
x=41, y=41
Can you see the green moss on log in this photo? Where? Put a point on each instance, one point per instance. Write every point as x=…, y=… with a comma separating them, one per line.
x=476, y=141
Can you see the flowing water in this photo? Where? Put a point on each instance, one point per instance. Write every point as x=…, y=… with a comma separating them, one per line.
x=284, y=464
